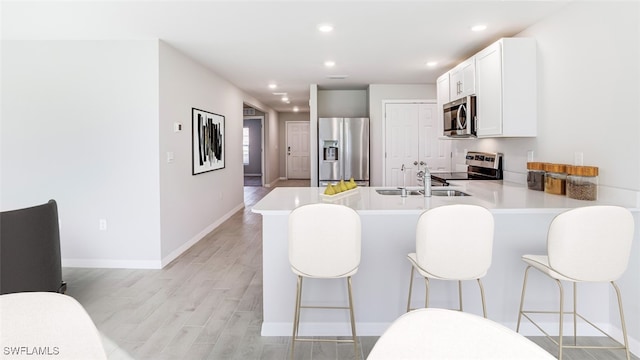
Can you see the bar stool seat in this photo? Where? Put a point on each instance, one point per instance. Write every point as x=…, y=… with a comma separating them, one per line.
x=448, y=334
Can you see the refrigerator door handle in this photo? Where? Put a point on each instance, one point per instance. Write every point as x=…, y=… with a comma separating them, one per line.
x=346, y=150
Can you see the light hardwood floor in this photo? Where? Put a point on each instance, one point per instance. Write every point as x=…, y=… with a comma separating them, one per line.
x=207, y=304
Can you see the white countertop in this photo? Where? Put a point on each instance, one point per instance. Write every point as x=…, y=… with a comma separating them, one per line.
x=497, y=196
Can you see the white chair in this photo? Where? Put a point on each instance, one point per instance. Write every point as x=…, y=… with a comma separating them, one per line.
x=448, y=334
x=324, y=242
x=588, y=244
x=453, y=242
x=47, y=325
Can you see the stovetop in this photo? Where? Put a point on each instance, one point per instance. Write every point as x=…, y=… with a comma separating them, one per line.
x=480, y=166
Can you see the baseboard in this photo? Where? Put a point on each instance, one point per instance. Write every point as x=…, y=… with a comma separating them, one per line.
x=252, y=174
x=111, y=264
x=149, y=264
x=177, y=252
x=272, y=183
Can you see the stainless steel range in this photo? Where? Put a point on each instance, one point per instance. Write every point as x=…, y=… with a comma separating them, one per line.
x=481, y=166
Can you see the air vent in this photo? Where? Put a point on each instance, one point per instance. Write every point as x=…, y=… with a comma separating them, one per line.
x=337, y=77
x=249, y=111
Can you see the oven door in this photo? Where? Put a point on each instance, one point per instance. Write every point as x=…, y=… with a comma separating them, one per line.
x=459, y=117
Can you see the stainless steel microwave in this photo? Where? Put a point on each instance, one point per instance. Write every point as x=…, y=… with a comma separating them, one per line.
x=460, y=117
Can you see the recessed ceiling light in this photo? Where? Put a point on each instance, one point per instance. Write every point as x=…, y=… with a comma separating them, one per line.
x=325, y=28
x=273, y=86
x=479, y=28
x=432, y=63
x=296, y=109
x=329, y=63
x=337, y=77
x=285, y=99
x=280, y=93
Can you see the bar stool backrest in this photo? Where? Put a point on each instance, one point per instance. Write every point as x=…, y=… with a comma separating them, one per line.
x=591, y=243
x=324, y=240
x=455, y=241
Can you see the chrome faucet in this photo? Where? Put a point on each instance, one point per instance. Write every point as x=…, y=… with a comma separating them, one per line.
x=403, y=189
x=424, y=176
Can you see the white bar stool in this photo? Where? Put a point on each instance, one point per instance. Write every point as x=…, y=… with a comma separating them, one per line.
x=588, y=244
x=449, y=334
x=324, y=243
x=453, y=242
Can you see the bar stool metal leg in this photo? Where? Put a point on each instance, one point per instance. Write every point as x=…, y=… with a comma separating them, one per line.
x=524, y=288
x=296, y=315
x=353, y=319
x=484, y=305
x=426, y=297
x=460, y=293
x=410, y=288
x=561, y=319
x=622, y=322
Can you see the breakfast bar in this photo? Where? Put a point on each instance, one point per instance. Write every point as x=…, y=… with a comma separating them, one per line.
x=522, y=217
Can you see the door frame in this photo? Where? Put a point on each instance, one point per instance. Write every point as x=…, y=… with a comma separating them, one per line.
x=384, y=128
x=262, y=170
x=286, y=138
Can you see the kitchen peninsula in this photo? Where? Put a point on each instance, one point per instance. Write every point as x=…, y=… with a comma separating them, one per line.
x=522, y=217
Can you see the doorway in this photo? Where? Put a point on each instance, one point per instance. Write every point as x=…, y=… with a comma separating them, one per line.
x=412, y=136
x=252, y=145
x=298, y=152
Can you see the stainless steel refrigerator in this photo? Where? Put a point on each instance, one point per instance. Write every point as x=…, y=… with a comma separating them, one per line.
x=343, y=150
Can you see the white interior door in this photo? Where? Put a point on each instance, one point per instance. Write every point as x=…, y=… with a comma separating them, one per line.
x=435, y=152
x=298, y=161
x=401, y=144
x=412, y=135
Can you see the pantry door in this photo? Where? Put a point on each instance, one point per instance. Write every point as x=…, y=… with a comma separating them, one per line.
x=412, y=135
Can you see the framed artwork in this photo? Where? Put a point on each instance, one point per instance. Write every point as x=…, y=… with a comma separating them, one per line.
x=207, y=141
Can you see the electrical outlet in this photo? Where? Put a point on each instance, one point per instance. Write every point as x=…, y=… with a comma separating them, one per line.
x=102, y=225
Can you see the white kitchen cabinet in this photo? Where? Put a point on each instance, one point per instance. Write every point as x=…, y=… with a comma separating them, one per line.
x=462, y=80
x=442, y=88
x=506, y=101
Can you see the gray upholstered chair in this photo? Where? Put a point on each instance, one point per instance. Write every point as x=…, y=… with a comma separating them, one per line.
x=30, y=250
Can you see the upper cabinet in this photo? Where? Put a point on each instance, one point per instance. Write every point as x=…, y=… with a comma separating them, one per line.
x=506, y=92
x=442, y=88
x=462, y=81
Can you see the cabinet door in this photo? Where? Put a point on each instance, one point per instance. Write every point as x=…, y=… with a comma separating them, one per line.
x=462, y=80
x=442, y=87
x=489, y=91
x=469, y=77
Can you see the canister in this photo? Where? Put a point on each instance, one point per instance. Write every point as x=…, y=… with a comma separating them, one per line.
x=582, y=182
x=535, y=175
x=555, y=178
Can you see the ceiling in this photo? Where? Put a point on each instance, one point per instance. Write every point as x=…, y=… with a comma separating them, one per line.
x=254, y=43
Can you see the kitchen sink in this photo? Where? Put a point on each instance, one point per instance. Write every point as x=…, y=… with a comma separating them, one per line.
x=397, y=192
x=434, y=192
x=448, y=193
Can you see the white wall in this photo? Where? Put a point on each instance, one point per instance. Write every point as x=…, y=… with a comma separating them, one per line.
x=79, y=125
x=377, y=94
x=342, y=103
x=588, y=93
x=90, y=123
x=193, y=205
